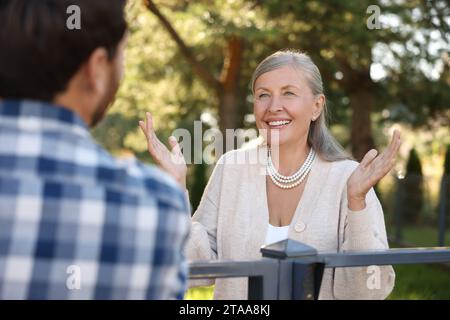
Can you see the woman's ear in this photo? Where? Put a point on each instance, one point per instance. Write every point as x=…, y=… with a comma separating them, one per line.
x=319, y=104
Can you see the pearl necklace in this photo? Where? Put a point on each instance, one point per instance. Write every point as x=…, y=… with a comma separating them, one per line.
x=289, y=182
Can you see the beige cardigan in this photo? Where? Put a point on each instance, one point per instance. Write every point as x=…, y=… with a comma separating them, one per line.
x=232, y=220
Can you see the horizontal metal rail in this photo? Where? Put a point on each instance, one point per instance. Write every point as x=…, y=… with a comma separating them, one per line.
x=225, y=269
x=385, y=257
x=231, y=269
x=289, y=262
x=262, y=275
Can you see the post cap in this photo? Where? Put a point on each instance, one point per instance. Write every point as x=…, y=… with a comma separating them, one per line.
x=287, y=249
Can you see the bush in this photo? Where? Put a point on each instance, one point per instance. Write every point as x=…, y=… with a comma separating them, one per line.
x=198, y=180
x=445, y=192
x=412, y=190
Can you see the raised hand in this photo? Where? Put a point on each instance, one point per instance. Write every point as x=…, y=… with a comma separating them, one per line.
x=170, y=161
x=371, y=170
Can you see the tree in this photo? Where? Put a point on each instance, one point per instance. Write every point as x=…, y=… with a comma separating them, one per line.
x=226, y=85
x=336, y=34
x=181, y=63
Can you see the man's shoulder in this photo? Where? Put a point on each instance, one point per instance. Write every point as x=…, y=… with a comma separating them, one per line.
x=149, y=180
x=153, y=176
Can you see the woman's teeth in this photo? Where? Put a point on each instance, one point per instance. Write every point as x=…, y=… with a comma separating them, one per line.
x=279, y=123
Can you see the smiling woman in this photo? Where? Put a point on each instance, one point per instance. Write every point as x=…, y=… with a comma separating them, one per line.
x=291, y=82
x=303, y=186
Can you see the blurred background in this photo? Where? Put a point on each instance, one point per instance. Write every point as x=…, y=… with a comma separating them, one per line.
x=385, y=65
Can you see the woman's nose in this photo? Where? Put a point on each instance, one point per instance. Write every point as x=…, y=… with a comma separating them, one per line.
x=275, y=105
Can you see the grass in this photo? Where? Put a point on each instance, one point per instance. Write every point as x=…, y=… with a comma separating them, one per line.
x=420, y=282
x=200, y=293
x=421, y=236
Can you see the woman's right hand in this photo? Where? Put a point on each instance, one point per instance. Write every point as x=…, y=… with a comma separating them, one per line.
x=170, y=161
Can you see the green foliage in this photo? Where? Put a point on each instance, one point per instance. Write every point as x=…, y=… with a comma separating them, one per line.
x=407, y=47
x=157, y=80
x=158, y=77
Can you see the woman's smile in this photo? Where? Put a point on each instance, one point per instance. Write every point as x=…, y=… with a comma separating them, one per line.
x=278, y=123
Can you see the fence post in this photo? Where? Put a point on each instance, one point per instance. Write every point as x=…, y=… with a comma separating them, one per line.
x=442, y=211
x=265, y=285
x=300, y=275
x=307, y=280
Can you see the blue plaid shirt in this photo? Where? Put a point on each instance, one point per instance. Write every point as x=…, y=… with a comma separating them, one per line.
x=76, y=223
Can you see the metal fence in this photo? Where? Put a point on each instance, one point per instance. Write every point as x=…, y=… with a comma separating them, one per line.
x=292, y=270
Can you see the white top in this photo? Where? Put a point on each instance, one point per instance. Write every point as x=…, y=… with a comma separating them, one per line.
x=275, y=234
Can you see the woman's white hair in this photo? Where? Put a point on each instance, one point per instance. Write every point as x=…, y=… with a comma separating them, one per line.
x=319, y=137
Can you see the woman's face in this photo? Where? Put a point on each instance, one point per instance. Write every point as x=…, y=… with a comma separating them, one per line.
x=285, y=104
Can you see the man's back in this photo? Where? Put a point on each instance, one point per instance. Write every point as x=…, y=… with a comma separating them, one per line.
x=75, y=223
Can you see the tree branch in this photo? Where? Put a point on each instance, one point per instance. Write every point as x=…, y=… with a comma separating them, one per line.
x=197, y=67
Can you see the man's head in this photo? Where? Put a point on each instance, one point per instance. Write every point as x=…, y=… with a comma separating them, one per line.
x=41, y=58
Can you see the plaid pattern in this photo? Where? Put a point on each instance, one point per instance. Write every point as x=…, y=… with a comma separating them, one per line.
x=76, y=223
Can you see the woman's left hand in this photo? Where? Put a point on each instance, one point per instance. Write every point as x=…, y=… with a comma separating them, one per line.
x=371, y=170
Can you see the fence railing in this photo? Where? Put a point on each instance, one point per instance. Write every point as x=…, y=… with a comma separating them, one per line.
x=293, y=270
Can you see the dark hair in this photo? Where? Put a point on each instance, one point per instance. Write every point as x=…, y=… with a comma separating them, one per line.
x=38, y=52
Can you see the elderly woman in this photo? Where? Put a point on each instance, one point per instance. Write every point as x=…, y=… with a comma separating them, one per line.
x=312, y=192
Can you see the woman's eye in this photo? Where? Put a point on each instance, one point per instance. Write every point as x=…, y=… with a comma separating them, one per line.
x=263, y=95
x=289, y=93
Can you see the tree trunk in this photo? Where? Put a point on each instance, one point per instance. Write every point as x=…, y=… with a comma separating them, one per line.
x=361, y=104
x=230, y=115
x=359, y=85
